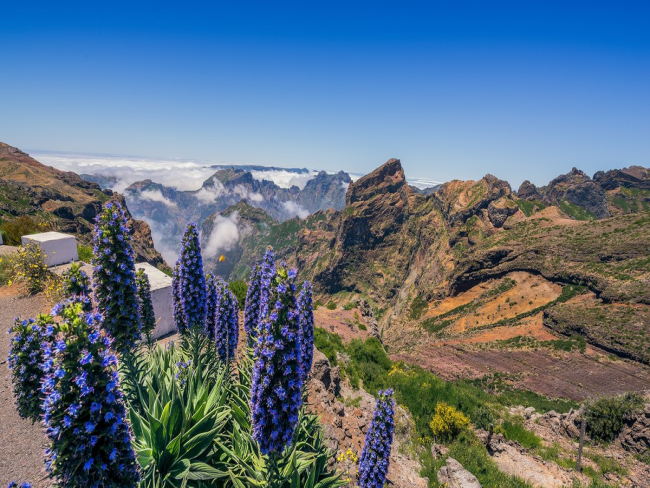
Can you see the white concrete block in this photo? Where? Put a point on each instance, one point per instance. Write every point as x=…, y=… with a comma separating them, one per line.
x=161, y=298
x=58, y=248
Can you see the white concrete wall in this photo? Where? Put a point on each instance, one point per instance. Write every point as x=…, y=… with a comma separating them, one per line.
x=161, y=298
x=58, y=248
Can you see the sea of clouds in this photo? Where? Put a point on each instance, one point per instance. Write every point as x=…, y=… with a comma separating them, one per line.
x=175, y=173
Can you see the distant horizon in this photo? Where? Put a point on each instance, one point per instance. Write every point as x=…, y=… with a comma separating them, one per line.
x=418, y=181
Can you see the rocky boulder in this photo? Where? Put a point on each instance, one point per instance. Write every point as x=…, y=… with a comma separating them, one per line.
x=635, y=436
x=453, y=475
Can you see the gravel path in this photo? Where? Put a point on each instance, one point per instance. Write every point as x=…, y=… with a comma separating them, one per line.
x=21, y=443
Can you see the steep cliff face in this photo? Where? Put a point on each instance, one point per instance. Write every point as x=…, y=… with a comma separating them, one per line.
x=577, y=195
x=63, y=200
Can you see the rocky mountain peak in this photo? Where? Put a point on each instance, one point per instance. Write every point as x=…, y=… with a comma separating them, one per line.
x=528, y=191
x=388, y=178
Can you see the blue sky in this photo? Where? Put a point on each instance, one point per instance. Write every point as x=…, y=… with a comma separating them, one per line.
x=455, y=89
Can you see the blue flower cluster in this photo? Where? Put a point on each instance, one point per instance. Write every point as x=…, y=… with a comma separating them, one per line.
x=90, y=439
x=252, y=305
x=76, y=283
x=25, y=360
x=192, y=286
x=147, y=315
x=13, y=484
x=276, y=386
x=306, y=312
x=179, y=317
x=226, y=332
x=375, y=457
x=116, y=293
x=213, y=299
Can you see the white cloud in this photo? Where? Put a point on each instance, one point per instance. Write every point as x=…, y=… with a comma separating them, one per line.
x=160, y=235
x=294, y=208
x=423, y=183
x=210, y=194
x=285, y=179
x=243, y=192
x=156, y=196
x=182, y=175
x=345, y=185
x=224, y=236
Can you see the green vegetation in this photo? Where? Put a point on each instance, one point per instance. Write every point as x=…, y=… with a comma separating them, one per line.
x=420, y=391
x=469, y=451
x=349, y=306
x=515, y=430
x=85, y=253
x=528, y=208
x=13, y=230
x=6, y=269
x=331, y=305
x=574, y=343
x=606, y=416
x=575, y=211
x=419, y=306
x=239, y=288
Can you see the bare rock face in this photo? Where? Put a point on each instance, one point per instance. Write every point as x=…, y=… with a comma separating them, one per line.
x=578, y=190
x=500, y=210
x=566, y=423
x=369, y=317
x=453, y=475
x=635, y=436
x=322, y=371
x=528, y=191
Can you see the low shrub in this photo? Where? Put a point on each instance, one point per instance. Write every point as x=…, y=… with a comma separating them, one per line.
x=447, y=423
x=29, y=267
x=331, y=305
x=349, y=306
x=607, y=416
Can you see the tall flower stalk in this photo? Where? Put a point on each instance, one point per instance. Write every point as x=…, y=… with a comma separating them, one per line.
x=192, y=286
x=375, y=457
x=276, y=386
x=26, y=358
x=252, y=305
x=116, y=293
x=306, y=312
x=147, y=315
x=212, y=302
x=177, y=306
x=226, y=332
x=90, y=440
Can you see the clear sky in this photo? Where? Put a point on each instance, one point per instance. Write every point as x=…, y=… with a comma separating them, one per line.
x=456, y=89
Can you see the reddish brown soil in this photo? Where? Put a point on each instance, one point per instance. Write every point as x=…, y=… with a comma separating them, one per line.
x=569, y=375
x=342, y=322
